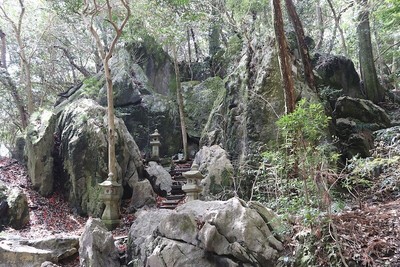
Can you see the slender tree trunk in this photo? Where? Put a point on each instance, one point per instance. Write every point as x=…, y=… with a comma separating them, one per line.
x=106, y=54
x=284, y=57
x=337, y=27
x=3, y=62
x=10, y=85
x=71, y=61
x=196, y=47
x=110, y=117
x=189, y=52
x=372, y=88
x=303, y=49
x=25, y=61
x=320, y=25
x=393, y=68
x=179, y=98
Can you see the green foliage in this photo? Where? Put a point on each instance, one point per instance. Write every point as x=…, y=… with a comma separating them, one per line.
x=92, y=86
x=294, y=176
x=307, y=123
x=362, y=171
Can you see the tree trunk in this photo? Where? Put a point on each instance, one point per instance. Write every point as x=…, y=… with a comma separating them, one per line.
x=372, y=88
x=71, y=61
x=3, y=62
x=320, y=25
x=110, y=117
x=284, y=57
x=303, y=49
x=179, y=98
x=25, y=61
x=336, y=17
x=10, y=85
x=196, y=47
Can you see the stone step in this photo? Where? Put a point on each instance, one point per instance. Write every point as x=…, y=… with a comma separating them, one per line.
x=180, y=196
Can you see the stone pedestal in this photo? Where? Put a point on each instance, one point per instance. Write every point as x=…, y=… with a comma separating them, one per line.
x=192, y=188
x=110, y=196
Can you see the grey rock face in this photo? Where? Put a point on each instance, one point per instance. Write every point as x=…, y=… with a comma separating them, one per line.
x=39, y=147
x=142, y=195
x=82, y=128
x=243, y=116
x=96, y=246
x=216, y=167
x=18, y=211
x=339, y=73
x=35, y=253
x=79, y=128
x=160, y=179
x=362, y=110
x=215, y=233
x=356, y=119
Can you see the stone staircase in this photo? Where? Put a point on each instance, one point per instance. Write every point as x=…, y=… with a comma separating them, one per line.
x=177, y=195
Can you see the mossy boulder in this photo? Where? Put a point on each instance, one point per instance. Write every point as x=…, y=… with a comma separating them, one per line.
x=355, y=120
x=217, y=169
x=337, y=73
x=82, y=129
x=198, y=102
x=245, y=111
x=39, y=149
x=14, y=211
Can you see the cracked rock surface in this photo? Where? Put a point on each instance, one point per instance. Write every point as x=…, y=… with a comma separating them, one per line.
x=214, y=233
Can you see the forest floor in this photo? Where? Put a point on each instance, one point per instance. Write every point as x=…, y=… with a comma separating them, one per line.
x=49, y=216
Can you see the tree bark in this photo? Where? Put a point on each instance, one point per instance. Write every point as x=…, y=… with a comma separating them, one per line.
x=10, y=85
x=25, y=61
x=179, y=98
x=106, y=54
x=372, y=88
x=196, y=46
x=71, y=61
x=337, y=17
x=303, y=49
x=284, y=57
x=320, y=25
x=3, y=62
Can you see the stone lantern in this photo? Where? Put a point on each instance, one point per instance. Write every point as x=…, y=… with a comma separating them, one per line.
x=155, y=145
x=110, y=195
x=192, y=188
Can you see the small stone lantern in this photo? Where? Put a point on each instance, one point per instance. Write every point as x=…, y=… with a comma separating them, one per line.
x=192, y=188
x=110, y=196
x=155, y=145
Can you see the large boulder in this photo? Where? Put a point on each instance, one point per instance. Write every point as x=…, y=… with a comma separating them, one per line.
x=18, y=210
x=159, y=178
x=142, y=195
x=242, y=120
x=337, y=73
x=67, y=149
x=198, y=103
x=39, y=148
x=364, y=111
x=217, y=169
x=96, y=246
x=14, y=210
x=33, y=252
x=81, y=127
x=216, y=233
x=355, y=121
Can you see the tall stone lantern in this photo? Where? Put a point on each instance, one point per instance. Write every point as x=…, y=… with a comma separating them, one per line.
x=155, y=145
x=110, y=195
x=192, y=188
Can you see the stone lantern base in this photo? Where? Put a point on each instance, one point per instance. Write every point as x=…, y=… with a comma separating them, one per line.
x=110, y=196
